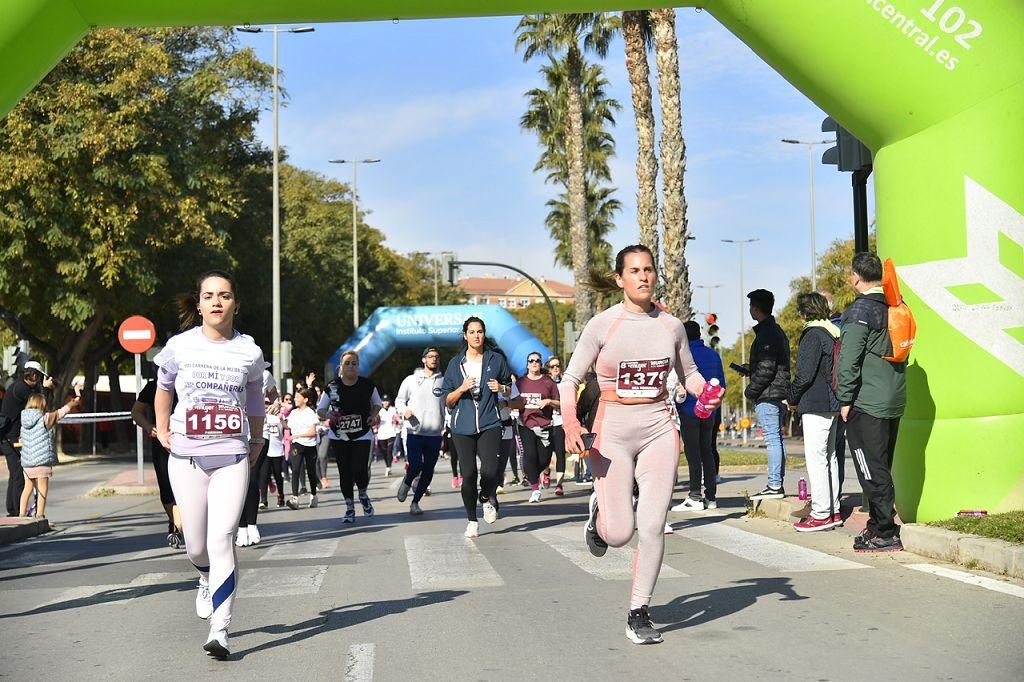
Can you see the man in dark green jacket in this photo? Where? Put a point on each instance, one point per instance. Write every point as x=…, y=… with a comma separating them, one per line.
x=872, y=394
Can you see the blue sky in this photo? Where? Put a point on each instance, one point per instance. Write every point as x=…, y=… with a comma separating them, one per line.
x=439, y=102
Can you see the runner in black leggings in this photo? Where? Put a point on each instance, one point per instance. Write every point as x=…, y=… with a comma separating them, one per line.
x=352, y=405
x=145, y=417
x=248, y=533
x=471, y=383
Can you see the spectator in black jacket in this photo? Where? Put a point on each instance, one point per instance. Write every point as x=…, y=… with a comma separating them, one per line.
x=769, y=386
x=812, y=390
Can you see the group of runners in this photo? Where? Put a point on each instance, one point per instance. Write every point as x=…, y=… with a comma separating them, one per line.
x=217, y=415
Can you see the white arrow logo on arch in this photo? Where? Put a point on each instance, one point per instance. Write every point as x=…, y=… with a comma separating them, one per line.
x=993, y=270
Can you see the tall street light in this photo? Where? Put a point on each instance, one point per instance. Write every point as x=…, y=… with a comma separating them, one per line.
x=743, y=317
x=810, y=144
x=708, y=287
x=355, y=240
x=276, y=249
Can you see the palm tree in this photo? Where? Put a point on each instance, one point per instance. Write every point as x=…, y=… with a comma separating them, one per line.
x=638, y=38
x=601, y=209
x=673, y=164
x=571, y=35
x=546, y=115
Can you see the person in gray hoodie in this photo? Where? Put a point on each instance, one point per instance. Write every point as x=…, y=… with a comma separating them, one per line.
x=39, y=448
x=420, y=402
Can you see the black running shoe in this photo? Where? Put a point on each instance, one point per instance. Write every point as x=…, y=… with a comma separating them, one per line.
x=640, y=629
x=367, y=507
x=877, y=544
x=595, y=543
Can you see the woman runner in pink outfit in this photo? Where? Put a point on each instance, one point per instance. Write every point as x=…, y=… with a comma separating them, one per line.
x=632, y=346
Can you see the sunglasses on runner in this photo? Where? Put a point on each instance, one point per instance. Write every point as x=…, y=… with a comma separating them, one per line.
x=554, y=365
x=530, y=360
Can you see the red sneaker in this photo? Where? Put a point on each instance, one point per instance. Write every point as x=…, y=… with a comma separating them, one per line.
x=559, y=491
x=547, y=480
x=810, y=523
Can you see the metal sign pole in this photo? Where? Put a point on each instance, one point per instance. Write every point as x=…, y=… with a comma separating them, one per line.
x=138, y=429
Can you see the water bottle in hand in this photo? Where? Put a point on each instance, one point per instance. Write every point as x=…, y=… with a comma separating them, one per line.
x=712, y=390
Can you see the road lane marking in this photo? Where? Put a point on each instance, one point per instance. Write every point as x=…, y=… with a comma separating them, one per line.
x=448, y=561
x=116, y=595
x=617, y=564
x=770, y=552
x=275, y=582
x=308, y=549
x=970, y=579
x=359, y=666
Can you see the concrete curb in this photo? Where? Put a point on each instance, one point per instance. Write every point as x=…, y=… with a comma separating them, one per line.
x=17, y=529
x=972, y=551
x=789, y=510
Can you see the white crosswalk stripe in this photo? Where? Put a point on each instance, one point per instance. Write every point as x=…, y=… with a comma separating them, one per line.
x=782, y=556
x=359, y=665
x=275, y=582
x=448, y=561
x=970, y=579
x=117, y=594
x=302, y=549
x=617, y=564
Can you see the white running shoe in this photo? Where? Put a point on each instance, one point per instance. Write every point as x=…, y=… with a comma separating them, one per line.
x=204, y=600
x=712, y=504
x=254, y=535
x=689, y=505
x=313, y=501
x=472, y=529
x=242, y=538
x=217, y=644
x=387, y=472
x=414, y=509
x=490, y=512
x=668, y=529
x=535, y=495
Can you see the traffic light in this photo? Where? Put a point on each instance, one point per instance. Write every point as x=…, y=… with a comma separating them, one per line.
x=713, y=339
x=849, y=154
x=450, y=268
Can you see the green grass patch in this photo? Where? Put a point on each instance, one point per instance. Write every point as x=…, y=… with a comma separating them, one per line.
x=752, y=457
x=1008, y=526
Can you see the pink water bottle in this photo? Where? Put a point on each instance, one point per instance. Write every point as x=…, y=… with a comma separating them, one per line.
x=802, y=488
x=712, y=390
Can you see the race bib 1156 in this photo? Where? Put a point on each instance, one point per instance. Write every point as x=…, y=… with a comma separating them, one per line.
x=642, y=378
x=213, y=420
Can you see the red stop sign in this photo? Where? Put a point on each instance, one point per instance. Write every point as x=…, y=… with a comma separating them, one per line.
x=136, y=334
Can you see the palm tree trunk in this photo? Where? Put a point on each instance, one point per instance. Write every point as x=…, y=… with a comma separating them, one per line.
x=673, y=164
x=579, y=236
x=633, y=26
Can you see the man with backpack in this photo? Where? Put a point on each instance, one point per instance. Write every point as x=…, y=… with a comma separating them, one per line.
x=872, y=392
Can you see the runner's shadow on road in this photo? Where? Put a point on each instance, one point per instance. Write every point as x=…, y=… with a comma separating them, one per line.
x=342, y=618
x=119, y=594
x=690, y=610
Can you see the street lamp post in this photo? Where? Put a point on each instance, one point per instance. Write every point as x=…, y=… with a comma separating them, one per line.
x=276, y=248
x=355, y=237
x=743, y=317
x=708, y=287
x=810, y=165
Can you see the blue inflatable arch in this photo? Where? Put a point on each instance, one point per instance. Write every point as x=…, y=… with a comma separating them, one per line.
x=417, y=327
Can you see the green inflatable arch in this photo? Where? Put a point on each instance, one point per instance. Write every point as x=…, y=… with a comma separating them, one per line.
x=934, y=87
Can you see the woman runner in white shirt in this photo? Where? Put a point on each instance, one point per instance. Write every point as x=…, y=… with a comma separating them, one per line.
x=213, y=435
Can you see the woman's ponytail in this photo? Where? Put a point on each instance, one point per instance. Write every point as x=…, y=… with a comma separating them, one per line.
x=188, y=311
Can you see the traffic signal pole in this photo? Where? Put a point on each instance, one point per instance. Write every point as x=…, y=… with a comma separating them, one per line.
x=860, y=208
x=551, y=306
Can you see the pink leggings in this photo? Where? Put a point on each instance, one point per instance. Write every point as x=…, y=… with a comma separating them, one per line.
x=635, y=442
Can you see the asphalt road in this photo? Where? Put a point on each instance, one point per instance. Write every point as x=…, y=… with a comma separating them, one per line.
x=398, y=598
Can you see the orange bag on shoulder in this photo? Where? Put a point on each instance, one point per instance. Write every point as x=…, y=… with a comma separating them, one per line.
x=902, y=328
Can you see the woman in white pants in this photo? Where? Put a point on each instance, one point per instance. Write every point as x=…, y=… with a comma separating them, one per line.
x=213, y=435
x=813, y=394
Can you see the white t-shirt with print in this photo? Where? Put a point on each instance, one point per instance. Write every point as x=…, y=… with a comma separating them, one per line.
x=273, y=431
x=213, y=382
x=301, y=420
x=386, y=430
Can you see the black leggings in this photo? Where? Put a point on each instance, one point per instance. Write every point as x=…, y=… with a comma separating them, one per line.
x=698, y=436
x=558, y=444
x=251, y=507
x=353, y=458
x=272, y=466
x=507, y=453
x=160, y=456
x=484, y=445
x=536, y=455
x=304, y=454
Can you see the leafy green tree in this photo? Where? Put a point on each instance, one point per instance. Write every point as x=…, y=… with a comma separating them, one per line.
x=537, y=318
x=123, y=161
